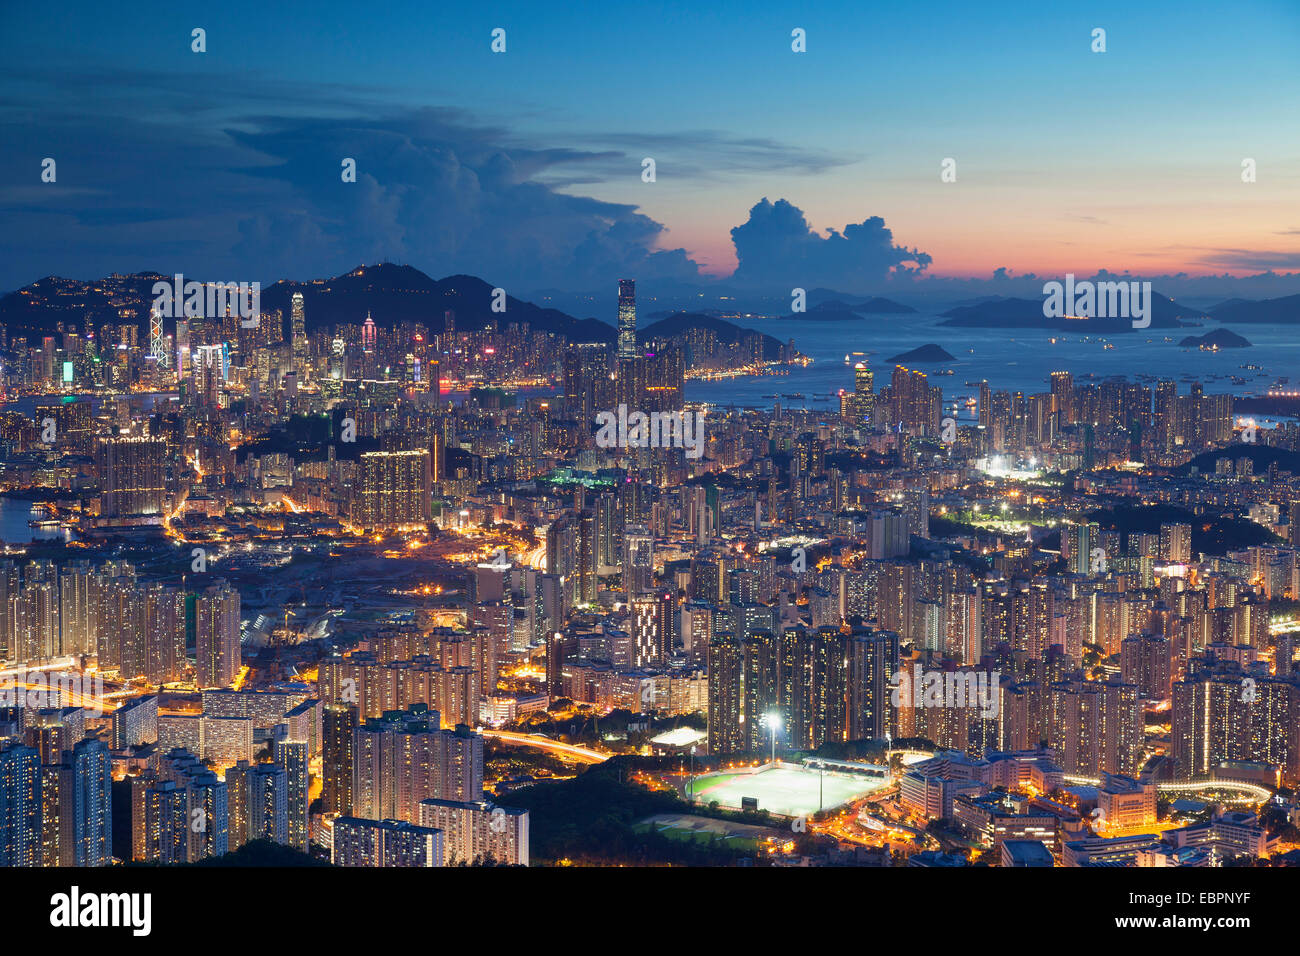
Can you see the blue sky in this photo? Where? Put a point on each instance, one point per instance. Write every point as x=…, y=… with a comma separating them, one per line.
x=527, y=164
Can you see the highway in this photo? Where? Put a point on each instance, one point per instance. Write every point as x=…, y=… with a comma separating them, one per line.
x=581, y=754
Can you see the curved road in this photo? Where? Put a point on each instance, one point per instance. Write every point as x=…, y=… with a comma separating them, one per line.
x=581, y=754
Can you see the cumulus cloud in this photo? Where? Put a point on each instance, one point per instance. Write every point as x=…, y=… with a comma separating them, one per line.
x=776, y=246
x=235, y=193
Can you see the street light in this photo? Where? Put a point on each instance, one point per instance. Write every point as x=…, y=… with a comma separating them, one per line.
x=773, y=721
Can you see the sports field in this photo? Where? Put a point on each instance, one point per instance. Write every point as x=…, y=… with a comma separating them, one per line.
x=787, y=790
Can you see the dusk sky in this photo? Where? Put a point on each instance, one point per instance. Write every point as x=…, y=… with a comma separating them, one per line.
x=525, y=167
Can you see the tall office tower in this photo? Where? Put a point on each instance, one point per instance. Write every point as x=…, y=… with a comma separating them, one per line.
x=93, y=803
x=638, y=560
x=298, y=330
x=216, y=632
x=474, y=832
x=157, y=342
x=369, y=334
x=77, y=610
x=985, y=405
x=404, y=758
x=339, y=734
x=627, y=319
x=862, y=403
x=35, y=622
x=292, y=755
x=131, y=476
x=20, y=806
x=361, y=842
x=1217, y=717
x=11, y=584
x=395, y=490
x=489, y=582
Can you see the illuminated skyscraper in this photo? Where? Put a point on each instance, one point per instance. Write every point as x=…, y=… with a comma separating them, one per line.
x=395, y=490
x=157, y=344
x=626, y=318
x=92, y=803
x=298, y=328
x=216, y=617
x=131, y=476
x=369, y=334
x=638, y=560
x=339, y=733
x=20, y=807
x=292, y=756
x=385, y=843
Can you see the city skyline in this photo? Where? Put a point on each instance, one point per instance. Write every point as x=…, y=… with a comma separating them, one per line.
x=648, y=439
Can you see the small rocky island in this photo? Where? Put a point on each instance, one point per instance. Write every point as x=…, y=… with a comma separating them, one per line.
x=1217, y=339
x=924, y=355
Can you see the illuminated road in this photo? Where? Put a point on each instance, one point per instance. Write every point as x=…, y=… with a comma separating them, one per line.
x=536, y=559
x=581, y=754
x=1191, y=786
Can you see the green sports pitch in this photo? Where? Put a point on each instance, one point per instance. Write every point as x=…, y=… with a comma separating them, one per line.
x=787, y=790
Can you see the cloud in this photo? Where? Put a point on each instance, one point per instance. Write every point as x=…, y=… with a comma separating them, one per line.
x=257, y=193
x=776, y=246
x=1260, y=259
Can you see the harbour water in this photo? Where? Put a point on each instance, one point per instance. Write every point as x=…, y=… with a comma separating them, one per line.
x=1009, y=359
x=14, y=529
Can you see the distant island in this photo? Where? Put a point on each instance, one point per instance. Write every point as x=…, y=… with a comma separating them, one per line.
x=1284, y=309
x=1028, y=314
x=882, y=306
x=1217, y=339
x=924, y=354
x=837, y=310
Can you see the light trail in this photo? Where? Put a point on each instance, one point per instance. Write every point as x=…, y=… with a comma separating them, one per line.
x=583, y=754
x=1191, y=786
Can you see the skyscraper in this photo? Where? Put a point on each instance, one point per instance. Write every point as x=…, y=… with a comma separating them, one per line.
x=627, y=319
x=339, y=733
x=130, y=472
x=298, y=328
x=359, y=842
x=292, y=756
x=93, y=803
x=216, y=616
x=395, y=490
x=20, y=807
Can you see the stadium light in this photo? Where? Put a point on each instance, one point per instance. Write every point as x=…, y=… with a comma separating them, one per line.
x=773, y=721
